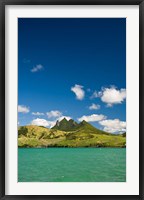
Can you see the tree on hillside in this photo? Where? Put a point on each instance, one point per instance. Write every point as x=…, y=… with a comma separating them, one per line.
x=22, y=130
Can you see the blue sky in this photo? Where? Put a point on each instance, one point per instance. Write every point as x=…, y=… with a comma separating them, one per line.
x=74, y=68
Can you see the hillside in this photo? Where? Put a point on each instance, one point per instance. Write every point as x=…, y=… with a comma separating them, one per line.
x=71, y=135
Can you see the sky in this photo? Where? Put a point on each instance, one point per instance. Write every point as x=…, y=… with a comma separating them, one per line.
x=73, y=68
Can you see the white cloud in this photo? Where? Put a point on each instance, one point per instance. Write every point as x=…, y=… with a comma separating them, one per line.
x=54, y=114
x=47, y=123
x=37, y=68
x=112, y=96
x=37, y=113
x=51, y=123
x=94, y=107
x=92, y=118
x=96, y=94
x=79, y=92
x=43, y=122
x=113, y=125
x=23, y=109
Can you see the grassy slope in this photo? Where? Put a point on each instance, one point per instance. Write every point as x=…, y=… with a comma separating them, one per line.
x=85, y=136
x=36, y=136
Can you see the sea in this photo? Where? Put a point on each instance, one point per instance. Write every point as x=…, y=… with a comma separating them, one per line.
x=71, y=164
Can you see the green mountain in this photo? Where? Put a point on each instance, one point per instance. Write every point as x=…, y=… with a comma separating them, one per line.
x=68, y=134
x=88, y=128
x=65, y=125
x=71, y=125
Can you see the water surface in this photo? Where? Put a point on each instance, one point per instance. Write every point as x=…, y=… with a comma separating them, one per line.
x=71, y=164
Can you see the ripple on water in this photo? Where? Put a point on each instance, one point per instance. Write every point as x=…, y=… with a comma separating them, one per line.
x=72, y=165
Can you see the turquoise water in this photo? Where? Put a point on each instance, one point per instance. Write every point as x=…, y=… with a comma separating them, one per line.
x=71, y=164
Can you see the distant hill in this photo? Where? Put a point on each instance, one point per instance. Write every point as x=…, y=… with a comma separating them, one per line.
x=68, y=134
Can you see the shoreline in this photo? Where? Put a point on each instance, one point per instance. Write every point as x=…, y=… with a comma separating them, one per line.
x=68, y=147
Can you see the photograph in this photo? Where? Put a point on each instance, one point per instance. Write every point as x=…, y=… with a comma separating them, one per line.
x=71, y=124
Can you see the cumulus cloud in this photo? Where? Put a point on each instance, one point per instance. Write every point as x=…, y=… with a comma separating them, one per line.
x=47, y=123
x=112, y=96
x=23, y=109
x=43, y=122
x=92, y=118
x=54, y=114
x=79, y=92
x=37, y=113
x=37, y=68
x=94, y=107
x=113, y=125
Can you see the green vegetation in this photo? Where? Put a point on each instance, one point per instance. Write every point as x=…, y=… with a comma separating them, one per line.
x=65, y=125
x=124, y=134
x=71, y=134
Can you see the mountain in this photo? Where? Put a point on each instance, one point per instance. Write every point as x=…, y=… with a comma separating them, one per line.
x=71, y=125
x=68, y=134
x=88, y=128
x=66, y=125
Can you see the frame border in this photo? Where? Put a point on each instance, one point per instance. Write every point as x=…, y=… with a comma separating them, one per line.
x=3, y=3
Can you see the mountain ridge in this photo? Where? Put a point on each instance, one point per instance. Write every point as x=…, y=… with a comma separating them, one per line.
x=71, y=135
x=71, y=125
x=65, y=125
